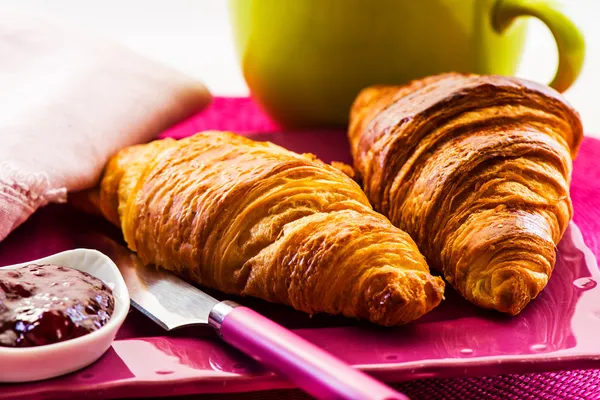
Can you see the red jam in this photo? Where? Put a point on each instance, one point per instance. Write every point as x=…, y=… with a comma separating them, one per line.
x=43, y=304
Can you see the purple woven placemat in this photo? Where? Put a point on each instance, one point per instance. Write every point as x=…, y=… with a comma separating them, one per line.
x=573, y=385
x=242, y=115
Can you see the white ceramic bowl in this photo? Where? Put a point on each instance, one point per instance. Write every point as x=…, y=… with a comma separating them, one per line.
x=42, y=362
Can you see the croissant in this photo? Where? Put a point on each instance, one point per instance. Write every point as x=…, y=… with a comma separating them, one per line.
x=477, y=170
x=253, y=218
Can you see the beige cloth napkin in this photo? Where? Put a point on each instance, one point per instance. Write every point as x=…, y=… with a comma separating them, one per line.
x=69, y=100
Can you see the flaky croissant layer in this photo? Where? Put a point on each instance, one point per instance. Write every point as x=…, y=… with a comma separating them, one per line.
x=252, y=218
x=476, y=169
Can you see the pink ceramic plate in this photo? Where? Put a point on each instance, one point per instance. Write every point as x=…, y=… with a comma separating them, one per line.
x=559, y=330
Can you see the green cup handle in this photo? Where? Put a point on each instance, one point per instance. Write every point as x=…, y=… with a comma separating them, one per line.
x=569, y=40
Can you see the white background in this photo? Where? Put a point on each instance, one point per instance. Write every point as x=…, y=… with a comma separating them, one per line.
x=194, y=36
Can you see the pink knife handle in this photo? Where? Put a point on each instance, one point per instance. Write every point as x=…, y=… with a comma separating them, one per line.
x=309, y=367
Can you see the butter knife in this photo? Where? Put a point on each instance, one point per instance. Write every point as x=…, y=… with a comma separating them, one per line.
x=173, y=303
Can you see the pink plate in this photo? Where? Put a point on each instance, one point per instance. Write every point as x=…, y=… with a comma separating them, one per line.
x=559, y=330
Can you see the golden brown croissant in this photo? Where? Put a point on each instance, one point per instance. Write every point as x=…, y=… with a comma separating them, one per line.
x=476, y=169
x=253, y=218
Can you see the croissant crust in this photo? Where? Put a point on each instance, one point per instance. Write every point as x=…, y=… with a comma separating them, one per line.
x=252, y=218
x=476, y=169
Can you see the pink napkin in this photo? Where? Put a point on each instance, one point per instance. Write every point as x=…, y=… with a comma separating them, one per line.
x=68, y=101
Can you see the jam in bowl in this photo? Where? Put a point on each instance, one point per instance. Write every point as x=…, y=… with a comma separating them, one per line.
x=58, y=314
x=44, y=304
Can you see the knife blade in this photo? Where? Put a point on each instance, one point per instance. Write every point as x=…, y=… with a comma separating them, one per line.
x=164, y=298
x=173, y=303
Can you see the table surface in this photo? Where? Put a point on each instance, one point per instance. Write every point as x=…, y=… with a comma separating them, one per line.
x=194, y=36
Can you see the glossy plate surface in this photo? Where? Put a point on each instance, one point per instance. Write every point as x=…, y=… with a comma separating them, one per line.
x=559, y=330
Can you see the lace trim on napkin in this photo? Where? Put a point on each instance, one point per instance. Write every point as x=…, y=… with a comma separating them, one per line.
x=23, y=193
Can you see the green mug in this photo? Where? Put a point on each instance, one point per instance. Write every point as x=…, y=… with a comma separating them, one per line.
x=305, y=60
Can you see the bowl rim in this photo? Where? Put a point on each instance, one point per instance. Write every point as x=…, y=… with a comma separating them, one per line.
x=120, y=293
